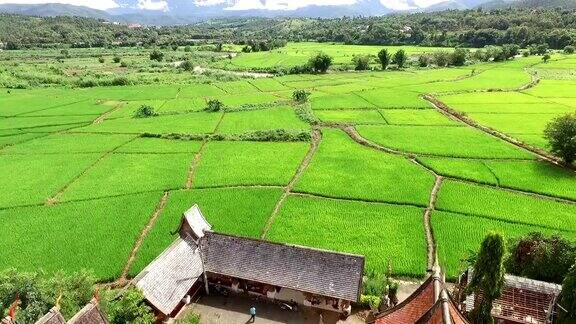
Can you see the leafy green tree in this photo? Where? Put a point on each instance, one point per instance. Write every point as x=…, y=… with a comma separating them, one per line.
x=361, y=62
x=540, y=257
x=384, y=57
x=145, y=111
x=561, y=136
x=400, y=58
x=546, y=57
x=458, y=57
x=569, y=49
x=441, y=58
x=214, y=105
x=156, y=55
x=300, y=96
x=320, y=63
x=129, y=307
x=568, y=300
x=488, y=277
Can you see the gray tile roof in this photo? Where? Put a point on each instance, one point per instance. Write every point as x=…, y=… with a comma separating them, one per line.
x=90, y=314
x=52, y=317
x=314, y=271
x=171, y=275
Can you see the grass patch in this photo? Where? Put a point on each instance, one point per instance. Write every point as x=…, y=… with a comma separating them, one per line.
x=265, y=119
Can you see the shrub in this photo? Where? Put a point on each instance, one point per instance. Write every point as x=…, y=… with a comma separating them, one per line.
x=546, y=57
x=423, y=60
x=123, y=64
x=320, y=63
x=175, y=47
x=384, y=57
x=361, y=62
x=145, y=111
x=458, y=57
x=526, y=53
x=441, y=58
x=561, y=136
x=300, y=96
x=541, y=258
x=156, y=55
x=375, y=284
x=510, y=50
x=116, y=59
x=129, y=307
x=369, y=301
x=101, y=60
x=187, y=65
x=120, y=81
x=190, y=318
x=187, y=48
x=400, y=58
x=214, y=105
x=569, y=49
x=300, y=69
x=87, y=83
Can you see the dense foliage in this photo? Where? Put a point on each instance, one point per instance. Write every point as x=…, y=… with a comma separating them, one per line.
x=128, y=307
x=38, y=293
x=472, y=28
x=539, y=257
x=320, y=63
x=488, y=277
x=568, y=299
x=561, y=136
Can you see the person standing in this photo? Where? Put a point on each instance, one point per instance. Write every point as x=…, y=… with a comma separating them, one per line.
x=252, y=314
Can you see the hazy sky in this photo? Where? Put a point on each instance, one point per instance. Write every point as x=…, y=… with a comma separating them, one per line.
x=240, y=4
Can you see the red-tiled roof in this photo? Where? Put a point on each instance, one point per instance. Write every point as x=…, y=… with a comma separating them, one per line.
x=430, y=303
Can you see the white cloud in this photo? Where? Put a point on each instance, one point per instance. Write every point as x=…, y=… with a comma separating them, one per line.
x=153, y=5
x=96, y=4
x=234, y=4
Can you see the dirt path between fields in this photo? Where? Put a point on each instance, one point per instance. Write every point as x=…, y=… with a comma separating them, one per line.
x=157, y=212
x=194, y=165
x=105, y=115
x=430, y=240
x=453, y=114
x=316, y=138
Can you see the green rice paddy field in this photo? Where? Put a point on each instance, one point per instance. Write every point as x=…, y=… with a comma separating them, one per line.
x=80, y=182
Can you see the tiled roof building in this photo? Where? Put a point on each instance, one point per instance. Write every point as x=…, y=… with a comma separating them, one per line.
x=430, y=303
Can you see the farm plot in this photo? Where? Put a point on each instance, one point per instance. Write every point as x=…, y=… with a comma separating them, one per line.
x=96, y=235
x=554, y=89
x=33, y=179
x=343, y=169
x=120, y=174
x=248, y=163
x=262, y=119
x=192, y=123
x=30, y=123
x=353, y=116
x=19, y=103
x=393, y=98
x=12, y=139
x=456, y=235
x=160, y=146
x=417, y=117
x=233, y=211
x=87, y=107
x=442, y=141
x=377, y=231
x=506, y=206
x=320, y=100
x=530, y=176
x=183, y=105
x=70, y=143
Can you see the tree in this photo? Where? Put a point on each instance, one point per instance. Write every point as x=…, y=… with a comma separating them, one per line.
x=384, y=57
x=300, y=96
x=187, y=65
x=546, y=57
x=320, y=62
x=145, y=111
x=129, y=307
x=116, y=59
x=400, y=58
x=458, y=57
x=214, y=105
x=156, y=55
x=488, y=277
x=569, y=49
x=561, y=136
x=441, y=58
x=539, y=257
x=423, y=60
x=568, y=298
x=361, y=62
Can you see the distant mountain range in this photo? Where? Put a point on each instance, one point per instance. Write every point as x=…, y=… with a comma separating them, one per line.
x=175, y=12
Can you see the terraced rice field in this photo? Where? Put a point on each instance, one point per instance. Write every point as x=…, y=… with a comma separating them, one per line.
x=85, y=178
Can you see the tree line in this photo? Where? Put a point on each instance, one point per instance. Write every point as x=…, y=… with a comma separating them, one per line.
x=556, y=28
